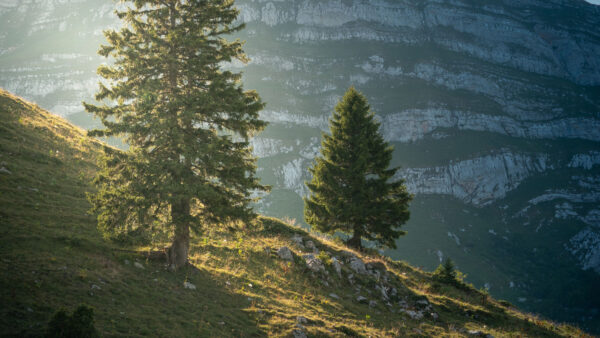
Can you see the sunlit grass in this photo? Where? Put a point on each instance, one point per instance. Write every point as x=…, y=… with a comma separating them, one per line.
x=52, y=256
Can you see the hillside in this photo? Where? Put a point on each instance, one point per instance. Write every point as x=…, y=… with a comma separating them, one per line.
x=492, y=108
x=53, y=257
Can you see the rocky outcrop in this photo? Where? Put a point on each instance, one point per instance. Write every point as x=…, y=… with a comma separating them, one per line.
x=478, y=181
x=585, y=245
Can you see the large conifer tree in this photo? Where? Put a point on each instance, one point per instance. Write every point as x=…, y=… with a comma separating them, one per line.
x=351, y=190
x=187, y=122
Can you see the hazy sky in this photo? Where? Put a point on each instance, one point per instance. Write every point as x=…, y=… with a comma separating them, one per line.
x=595, y=2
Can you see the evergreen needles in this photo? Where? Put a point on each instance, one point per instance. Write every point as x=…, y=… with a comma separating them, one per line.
x=186, y=121
x=352, y=188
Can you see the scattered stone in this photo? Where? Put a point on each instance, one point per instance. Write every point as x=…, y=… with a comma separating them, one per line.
x=358, y=266
x=5, y=171
x=34, y=189
x=333, y=295
x=127, y=262
x=337, y=266
x=311, y=246
x=373, y=303
x=422, y=302
x=301, y=320
x=250, y=285
x=29, y=309
x=313, y=263
x=95, y=287
x=138, y=265
x=434, y=315
x=299, y=333
x=479, y=333
x=155, y=279
x=381, y=289
x=221, y=323
x=298, y=240
x=394, y=292
x=361, y=299
x=285, y=253
x=189, y=285
x=351, y=279
x=227, y=283
x=348, y=254
x=413, y=314
x=403, y=304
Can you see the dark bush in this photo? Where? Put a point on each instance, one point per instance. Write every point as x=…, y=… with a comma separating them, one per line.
x=79, y=324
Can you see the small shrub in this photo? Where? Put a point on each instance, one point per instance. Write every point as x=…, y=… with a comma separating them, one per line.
x=79, y=324
x=324, y=257
x=446, y=272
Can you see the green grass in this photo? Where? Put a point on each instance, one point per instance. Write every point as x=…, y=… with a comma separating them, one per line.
x=52, y=257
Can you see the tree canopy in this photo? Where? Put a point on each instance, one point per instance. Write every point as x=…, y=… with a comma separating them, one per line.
x=187, y=122
x=351, y=189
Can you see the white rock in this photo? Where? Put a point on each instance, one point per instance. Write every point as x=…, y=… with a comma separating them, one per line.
x=301, y=320
x=298, y=240
x=314, y=263
x=285, y=253
x=299, y=333
x=361, y=299
x=138, y=265
x=189, y=285
x=337, y=266
x=310, y=245
x=358, y=265
x=3, y=170
x=413, y=314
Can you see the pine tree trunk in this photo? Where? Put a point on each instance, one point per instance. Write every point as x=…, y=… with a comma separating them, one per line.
x=355, y=241
x=177, y=253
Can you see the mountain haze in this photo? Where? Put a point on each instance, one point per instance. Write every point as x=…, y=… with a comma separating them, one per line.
x=493, y=108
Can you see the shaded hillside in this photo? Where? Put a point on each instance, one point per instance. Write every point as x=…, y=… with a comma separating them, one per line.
x=492, y=107
x=52, y=256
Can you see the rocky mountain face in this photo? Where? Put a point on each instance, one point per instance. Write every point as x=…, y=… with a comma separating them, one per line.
x=493, y=108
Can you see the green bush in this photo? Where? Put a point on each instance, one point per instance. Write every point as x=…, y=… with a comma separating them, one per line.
x=79, y=324
x=446, y=272
x=325, y=258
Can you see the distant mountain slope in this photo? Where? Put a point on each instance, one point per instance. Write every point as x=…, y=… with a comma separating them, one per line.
x=239, y=285
x=493, y=108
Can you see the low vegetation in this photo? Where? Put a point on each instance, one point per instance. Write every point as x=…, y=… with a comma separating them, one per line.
x=52, y=257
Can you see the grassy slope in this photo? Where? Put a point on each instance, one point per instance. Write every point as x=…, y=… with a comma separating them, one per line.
x=52, y=256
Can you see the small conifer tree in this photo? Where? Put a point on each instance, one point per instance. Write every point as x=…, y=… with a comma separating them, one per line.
x=351, y=189
x=446, y=271
x=187, y=122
